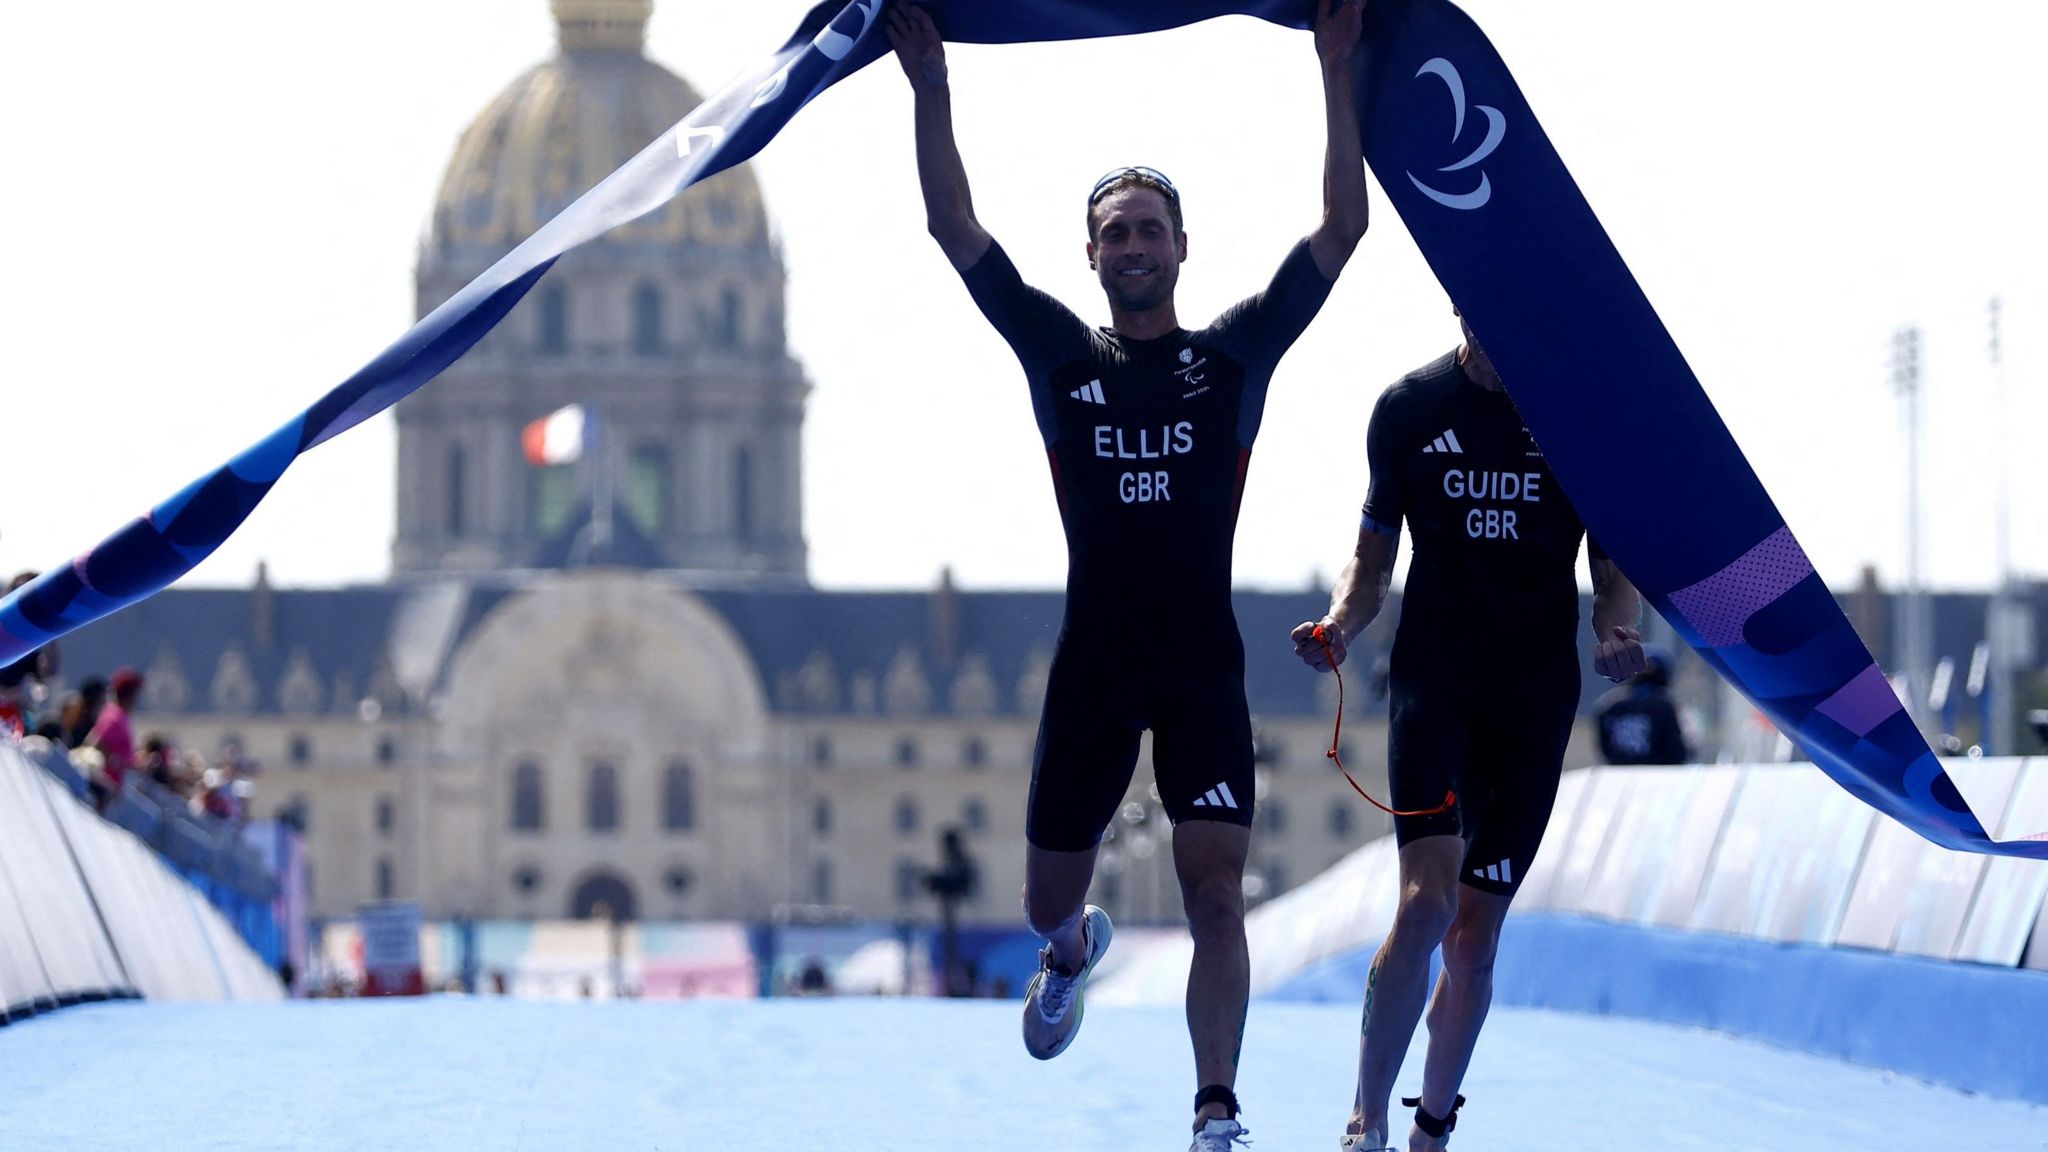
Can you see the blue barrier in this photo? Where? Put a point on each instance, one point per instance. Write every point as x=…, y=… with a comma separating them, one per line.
x=1968, y=1026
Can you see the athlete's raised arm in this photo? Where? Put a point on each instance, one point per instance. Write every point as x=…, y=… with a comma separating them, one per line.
x=948, y=206
x=1345, y=213
x=1355, y=602
x=1617, y=610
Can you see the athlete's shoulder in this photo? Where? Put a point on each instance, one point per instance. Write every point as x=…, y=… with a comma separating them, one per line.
x=1420, y=392
x=1434, y=379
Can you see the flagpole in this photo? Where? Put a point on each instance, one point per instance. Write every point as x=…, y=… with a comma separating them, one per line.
x=2001, y=630
x=601, y=488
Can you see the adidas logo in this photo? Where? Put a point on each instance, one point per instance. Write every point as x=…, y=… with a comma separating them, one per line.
x=1217, y=797
x=1501, y=873
x=1448, y=442
x=1092, y=394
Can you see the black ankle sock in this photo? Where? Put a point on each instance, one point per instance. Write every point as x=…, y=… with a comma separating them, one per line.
x=1217, y=1094
x=1434, y=1127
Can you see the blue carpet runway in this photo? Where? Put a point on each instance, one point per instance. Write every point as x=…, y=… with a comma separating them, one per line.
x=902, y=1076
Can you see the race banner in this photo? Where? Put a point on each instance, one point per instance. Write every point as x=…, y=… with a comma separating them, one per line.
x=1625, y=425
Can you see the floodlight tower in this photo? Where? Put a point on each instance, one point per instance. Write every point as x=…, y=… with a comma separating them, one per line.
x=2002, y=631
x=1914, y=634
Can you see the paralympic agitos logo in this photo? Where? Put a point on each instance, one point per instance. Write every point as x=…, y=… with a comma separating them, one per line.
x=1496, y=130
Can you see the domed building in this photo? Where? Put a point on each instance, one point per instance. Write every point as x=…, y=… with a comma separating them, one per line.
x=669, y=330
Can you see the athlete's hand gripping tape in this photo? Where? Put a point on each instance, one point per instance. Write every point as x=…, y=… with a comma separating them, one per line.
x=1322, y=636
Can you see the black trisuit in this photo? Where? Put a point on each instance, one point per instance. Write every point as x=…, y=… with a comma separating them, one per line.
x=1148, y=441
x=1484, y=683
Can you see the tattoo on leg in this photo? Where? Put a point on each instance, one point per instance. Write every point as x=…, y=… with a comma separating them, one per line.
x=1372, y=980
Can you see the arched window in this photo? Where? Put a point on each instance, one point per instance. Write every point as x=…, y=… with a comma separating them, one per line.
x=821, y=882
x=601, y=803
x=650, y=481
x=821, y=817
x=647, y=337
x=678, y=798
x=729, y=318
x=974, y=814
x=458, y=490
x=1273, y=814
x=906, y=816
x=1340, y=821
x=743, y=494
x=387, y=879
x=554, y=321
x=550, y=498
x=529, y=813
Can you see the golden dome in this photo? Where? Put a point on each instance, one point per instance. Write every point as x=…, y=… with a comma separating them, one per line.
x=568, y=123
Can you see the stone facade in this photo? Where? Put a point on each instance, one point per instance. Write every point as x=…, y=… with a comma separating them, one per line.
x=537, y=746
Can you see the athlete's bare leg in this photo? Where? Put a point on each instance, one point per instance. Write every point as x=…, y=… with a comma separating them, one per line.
x=1463, y=994
x=1209, y=857
x=1055, y=891
x=1398, y=981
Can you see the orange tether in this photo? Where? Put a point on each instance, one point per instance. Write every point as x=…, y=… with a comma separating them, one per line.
x=1322, y=636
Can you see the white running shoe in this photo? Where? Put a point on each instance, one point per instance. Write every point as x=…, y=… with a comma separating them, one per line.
x=1053, y=1003
x=1366, y=1141
x=1218, y=1136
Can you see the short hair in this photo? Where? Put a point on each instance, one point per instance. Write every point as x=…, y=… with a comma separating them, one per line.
x=1135, y=178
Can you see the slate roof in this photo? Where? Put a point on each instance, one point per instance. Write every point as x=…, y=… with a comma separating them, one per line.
x=349, y=636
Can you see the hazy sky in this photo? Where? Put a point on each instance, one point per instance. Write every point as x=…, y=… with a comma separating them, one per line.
x=214, y=209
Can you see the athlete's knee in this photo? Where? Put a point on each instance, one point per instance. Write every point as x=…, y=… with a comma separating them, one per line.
x=1469, y=948
x=1425, y=914
x=1215, y=907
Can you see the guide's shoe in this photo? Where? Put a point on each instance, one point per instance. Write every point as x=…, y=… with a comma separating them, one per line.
x=1219, y=1136
x=1366, y=1141
x=1053, y=1003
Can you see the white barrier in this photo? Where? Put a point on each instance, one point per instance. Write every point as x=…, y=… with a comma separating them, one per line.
x=1771, y=852
x=87, y=911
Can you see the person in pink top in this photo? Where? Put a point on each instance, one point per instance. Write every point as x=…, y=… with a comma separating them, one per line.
x=113, y=734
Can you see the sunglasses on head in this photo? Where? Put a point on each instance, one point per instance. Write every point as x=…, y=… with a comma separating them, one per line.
x=1153, y=175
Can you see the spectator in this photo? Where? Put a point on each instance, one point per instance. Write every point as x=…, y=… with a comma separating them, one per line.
x=80, y=712
x=21, y=683
x=189, y=774
x=1638, y=724
x=812, y=979
x=218, y=796
x=14, y=702
x=113, y=734
x=159, y=761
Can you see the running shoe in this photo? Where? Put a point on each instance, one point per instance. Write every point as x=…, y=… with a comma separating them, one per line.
x=1219, y=1136
x=1367, y=1141
x=1053, y=1003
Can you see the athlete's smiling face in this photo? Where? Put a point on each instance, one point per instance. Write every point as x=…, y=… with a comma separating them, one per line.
x=1136, y=250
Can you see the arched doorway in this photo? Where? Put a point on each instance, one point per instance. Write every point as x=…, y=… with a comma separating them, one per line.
x=602, y=896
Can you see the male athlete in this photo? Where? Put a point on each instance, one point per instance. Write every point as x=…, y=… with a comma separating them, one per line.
x=1149, y=427
x=1492, y=587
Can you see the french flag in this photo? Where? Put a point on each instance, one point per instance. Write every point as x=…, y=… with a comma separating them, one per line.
x=558, y=437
